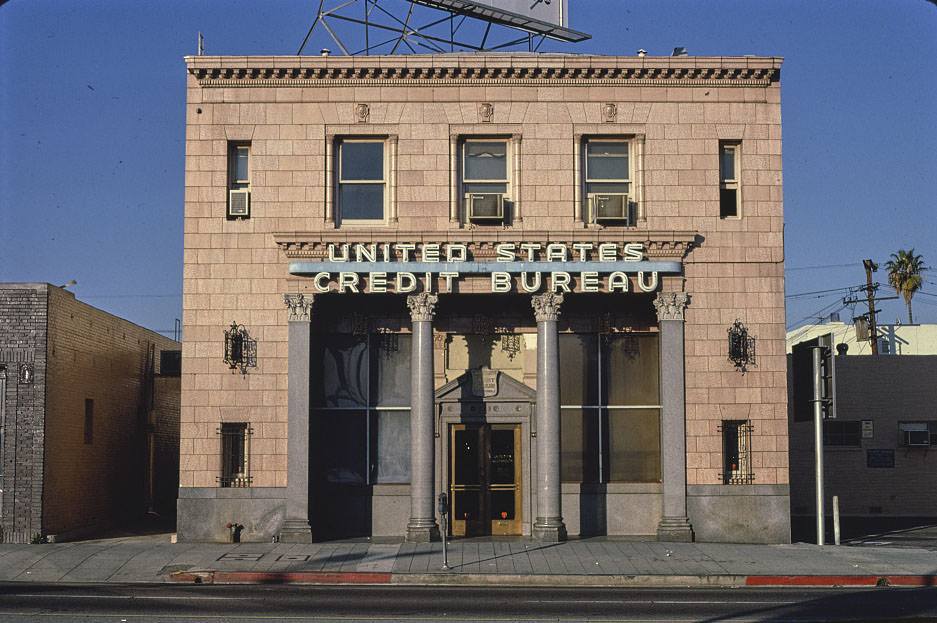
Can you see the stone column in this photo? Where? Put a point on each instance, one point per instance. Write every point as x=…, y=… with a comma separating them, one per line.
x=422, y=526
x=548, y=526
x=674, y=524
x=296, y=527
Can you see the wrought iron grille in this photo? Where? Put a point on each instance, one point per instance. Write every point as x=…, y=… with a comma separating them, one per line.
x=235, y=454
x=736, y=452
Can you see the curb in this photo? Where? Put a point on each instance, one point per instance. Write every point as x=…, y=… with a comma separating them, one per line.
x=842, y=580
x=284, y=577
x=479, y=579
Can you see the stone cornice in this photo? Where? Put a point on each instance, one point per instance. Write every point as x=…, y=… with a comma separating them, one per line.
x=659, y=245
x=483, y=70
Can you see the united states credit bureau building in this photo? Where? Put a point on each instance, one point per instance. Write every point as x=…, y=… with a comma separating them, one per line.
x=513, y=278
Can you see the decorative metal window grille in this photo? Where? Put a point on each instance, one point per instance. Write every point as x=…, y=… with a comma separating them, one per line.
x=736, y=452
x=240, y=351
x=388, y=343
x=741, y=346
x=235, y=454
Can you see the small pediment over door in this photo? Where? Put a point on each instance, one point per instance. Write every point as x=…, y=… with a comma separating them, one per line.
x=485, y=385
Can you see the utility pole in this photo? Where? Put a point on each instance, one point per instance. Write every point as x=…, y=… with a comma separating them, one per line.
x=870, y=288
x=871, y=267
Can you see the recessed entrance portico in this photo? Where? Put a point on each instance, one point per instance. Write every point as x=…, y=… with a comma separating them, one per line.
x=484, y=434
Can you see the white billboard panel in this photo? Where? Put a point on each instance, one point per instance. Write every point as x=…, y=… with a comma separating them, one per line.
x=549, y=11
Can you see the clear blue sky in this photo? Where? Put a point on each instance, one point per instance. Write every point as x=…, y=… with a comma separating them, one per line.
x=92, y=99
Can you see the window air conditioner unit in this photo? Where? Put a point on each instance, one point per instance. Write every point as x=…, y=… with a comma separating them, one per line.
x=485, y=206
x=917, y=438
x=611, y=207
x=239, y=203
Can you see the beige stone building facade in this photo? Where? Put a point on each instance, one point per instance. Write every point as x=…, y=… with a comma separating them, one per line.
x=516, y=279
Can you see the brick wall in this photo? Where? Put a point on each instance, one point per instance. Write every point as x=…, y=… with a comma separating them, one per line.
x=23, y=316
x=887, y=390
x=94, y=355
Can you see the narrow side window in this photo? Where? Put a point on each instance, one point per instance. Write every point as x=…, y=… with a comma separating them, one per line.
x=239, y=181
x=730, y=195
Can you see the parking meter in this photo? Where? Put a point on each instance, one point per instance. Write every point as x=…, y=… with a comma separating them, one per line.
x=442, y=507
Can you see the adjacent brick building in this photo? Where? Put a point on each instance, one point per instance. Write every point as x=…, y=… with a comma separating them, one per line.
x=89, y=425
x=878, y=452
x=513, y=278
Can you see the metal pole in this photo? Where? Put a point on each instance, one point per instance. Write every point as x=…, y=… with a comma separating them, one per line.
x=836, y=519
x=445, y=549
x=818, y=436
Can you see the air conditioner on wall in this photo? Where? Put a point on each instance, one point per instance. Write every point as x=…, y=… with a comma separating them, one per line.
x=239, y=203
x=484, y=206
x=917, y=438
x=610, y=207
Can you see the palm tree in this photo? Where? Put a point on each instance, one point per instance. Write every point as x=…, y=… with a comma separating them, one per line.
x=904, y=275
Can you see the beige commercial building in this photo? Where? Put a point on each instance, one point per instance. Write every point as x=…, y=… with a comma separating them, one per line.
x=533, y=282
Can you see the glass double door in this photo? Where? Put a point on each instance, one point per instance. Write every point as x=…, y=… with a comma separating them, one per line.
x=485, y=479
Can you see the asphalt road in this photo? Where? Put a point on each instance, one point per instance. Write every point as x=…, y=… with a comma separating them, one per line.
x=236, y=604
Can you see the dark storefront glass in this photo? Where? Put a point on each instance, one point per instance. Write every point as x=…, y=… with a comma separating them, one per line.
x=610, y=415
x=363, y=423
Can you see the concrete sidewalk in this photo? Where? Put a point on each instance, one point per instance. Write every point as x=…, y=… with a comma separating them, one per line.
x=600, y=562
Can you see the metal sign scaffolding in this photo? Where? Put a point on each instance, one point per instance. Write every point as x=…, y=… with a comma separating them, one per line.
x=439, y=26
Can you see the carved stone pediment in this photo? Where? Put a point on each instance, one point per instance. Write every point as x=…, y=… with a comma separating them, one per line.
x=485, y=385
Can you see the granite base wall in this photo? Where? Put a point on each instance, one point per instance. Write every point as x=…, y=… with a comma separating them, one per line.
x=203, y=512
x=740, y=513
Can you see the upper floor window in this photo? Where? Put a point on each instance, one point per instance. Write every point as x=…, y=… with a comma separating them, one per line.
x=608, y=181
x=729, y=180
x=362, y=180
x=239, y=180
x=485, y=179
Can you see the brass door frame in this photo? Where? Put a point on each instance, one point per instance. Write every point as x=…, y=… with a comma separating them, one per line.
x=484, y=524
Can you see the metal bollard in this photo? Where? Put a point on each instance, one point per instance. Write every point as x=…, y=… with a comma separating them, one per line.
x=442, y=506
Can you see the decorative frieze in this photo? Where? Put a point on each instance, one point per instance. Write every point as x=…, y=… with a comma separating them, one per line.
x=325, y=74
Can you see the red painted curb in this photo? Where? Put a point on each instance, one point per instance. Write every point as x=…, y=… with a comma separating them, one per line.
x=274, y=577
x=841, y=580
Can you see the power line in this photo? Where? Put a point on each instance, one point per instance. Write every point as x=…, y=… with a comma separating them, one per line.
x=819, y=266
x=791, y=296
x=133, y=296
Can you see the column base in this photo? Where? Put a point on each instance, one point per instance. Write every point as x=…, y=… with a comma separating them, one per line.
x=422, y=531
x=296, y=531
x=548, y=530
x=675, y=529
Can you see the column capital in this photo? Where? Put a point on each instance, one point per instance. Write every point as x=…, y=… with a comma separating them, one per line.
x=671, y=305
x=546, y=306
x=299, y=306
x=422, y=306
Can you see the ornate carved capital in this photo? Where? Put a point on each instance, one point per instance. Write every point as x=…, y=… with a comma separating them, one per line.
x=546, y=306
x=422, y=306
x=300, y=306
x=671, y=305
